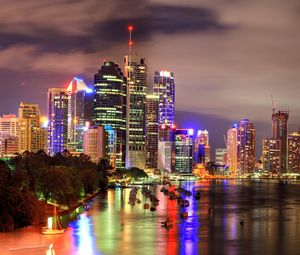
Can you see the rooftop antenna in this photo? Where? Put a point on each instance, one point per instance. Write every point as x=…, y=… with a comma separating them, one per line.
x=225, y=140
x=273, y=104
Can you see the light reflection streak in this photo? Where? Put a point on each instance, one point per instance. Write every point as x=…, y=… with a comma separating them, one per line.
x=84, y=237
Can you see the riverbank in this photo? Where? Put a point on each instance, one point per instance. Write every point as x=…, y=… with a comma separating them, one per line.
x=63, y=211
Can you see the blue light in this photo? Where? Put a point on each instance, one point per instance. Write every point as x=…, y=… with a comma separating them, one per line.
x=88, y=90
x=190, y=131
x=77, y=79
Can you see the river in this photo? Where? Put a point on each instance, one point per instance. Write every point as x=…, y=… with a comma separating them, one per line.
x=270, y=213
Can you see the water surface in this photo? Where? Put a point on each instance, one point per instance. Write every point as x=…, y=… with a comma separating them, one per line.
x=270, y=212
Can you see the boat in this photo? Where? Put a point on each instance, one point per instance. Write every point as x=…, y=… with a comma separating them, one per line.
x=56, y=228
x=167, y=224
x=184, y=215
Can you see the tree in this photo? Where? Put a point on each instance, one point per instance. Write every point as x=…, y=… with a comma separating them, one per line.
x=90, y=180
x=136, y=173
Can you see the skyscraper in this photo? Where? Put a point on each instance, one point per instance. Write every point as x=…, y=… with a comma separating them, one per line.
x=294, y=152
x=166, y=148
x=279, y=131
x=232, y=149
x=77, y=91
x=201, y=147
x=136, y=73
x=31, y=137
x=8, y=145
x=221, y=156
x=151, y=131
x=164, y=87
x=246, y=146
x=271, y=155
x=9, y=124
x=110, y=105
x=57, y=120
x=94, y=144
x=184, y=150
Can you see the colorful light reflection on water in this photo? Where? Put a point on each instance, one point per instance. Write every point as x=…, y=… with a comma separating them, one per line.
x=271, y=213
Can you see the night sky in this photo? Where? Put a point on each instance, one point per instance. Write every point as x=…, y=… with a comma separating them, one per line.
x=228, y=56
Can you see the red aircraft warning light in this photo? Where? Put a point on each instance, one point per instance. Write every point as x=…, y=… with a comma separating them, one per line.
x=130, y=27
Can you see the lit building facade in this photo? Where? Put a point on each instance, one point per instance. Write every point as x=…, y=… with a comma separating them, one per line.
x=111, y=144
x=94, y=144
x=294, y=152
x=201, y=147
x=280, y=131
x=8, y=145
x=57, y=120
x=232, y=149
x=271, y=155
x=152, y=131
x=136, y=74
x=184, y=150
x=221, y=156
x=110, y=105
x=30, y=134
x=246, y=146
x=164, y=87
x=77, y=91
x=166, y=148
x=9, y=124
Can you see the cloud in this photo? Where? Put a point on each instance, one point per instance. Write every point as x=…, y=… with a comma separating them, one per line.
x=65, y=26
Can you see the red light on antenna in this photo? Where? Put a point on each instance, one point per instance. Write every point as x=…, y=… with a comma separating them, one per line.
x=130, y=43
x=130, y=27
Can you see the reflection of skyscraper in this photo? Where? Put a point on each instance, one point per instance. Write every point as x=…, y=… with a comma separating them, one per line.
x=232, y=146
x=110, y=105
x=201, y=147
x=57, y=120
x=164, y=87
x=279, y=131
x=294, y=152
x=271, y=155
x=30, y=134
x=77, y=91
x=136, y=73
x=151, y=131
x=246, y=148
x=184, y=150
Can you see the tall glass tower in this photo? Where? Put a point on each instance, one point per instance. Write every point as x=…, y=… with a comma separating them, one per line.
x=77, y=91
x=184, y=150
x=246, y=146
x=279, y=131
x=151, y=131
x=110, y=92
x=232, y=149
x=136, y=73
x=57, y=120
x=164, y=87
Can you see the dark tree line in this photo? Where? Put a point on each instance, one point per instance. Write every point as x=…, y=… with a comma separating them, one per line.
x=29, y=180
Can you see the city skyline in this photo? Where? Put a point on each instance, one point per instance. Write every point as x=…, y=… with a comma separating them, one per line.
x=209, y=55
